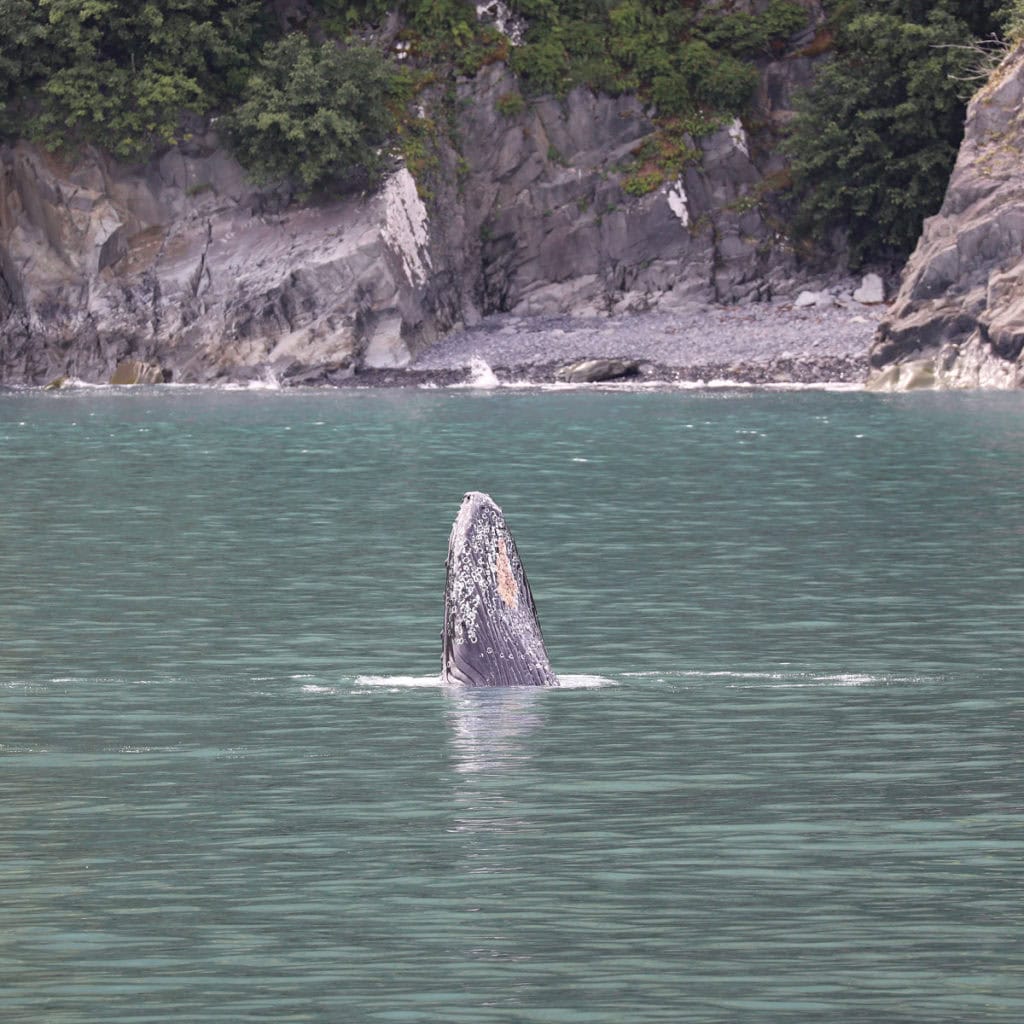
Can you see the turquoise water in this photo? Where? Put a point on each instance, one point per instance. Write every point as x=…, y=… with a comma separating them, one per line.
x=783, y=784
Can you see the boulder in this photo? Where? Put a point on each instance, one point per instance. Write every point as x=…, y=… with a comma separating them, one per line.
x=807, y=299
x=973, y=364
x=871, y=291
x=591, y=371
x=910, y=376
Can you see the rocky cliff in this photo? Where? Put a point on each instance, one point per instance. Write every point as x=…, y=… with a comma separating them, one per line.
x=183, y=270
x=182, y=265
x=958, y=320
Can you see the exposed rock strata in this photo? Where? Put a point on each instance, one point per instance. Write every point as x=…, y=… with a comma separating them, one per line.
x=958, y=320
x=183, y=265
x=549, y=228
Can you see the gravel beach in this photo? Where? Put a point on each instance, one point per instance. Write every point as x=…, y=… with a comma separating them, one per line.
x=754, y=344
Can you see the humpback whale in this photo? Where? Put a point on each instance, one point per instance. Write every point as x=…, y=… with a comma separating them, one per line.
x=491, y=635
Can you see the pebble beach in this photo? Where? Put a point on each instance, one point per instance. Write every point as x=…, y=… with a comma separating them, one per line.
x=753, y=344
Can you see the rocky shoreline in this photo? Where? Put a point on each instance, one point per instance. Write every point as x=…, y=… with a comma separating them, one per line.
x=850, y=370
x=825, y=342
x=761, y=344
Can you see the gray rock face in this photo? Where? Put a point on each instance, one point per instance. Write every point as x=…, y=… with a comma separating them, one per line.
x=547, y=226
x=182, y=264
x=958, y=320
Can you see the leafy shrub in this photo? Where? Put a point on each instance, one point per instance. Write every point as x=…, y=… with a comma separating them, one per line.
x=685, y=64
x=486, y=45
x=509, y=104
x=543, y=63
x=342, y=16
x=1012, y=16
x=602, y=74
x=643, y=182
x=120, y=74
x=418, y=142
x=662, y=157
x=876, y=136
x=129, y=112
x=315, y=115
x=749, y=35
x=555, y=156
x=704, y=79
x=441, y=17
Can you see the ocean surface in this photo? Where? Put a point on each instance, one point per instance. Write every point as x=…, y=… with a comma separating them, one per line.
x=783, y=781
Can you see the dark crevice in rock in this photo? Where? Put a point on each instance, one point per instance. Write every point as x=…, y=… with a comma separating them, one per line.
x=201, y=279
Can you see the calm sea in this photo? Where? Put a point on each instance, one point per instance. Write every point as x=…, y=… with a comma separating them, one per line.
x=784, y=783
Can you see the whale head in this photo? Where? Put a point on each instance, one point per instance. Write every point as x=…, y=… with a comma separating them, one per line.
x=491, y=634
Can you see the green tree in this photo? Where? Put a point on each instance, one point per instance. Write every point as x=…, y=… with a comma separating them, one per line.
x=120, y=73
x=750, y=35
x=316, y=115
x=1012, y=17
x=877, y=134
x=22, y=44
x=22, y=57
x=688, y=63
x=980, y=17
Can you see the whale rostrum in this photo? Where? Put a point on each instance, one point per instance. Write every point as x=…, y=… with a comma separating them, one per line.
x=491, y=635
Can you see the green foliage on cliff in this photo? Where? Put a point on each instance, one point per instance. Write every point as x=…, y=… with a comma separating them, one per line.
x=684, y=60
x=1012, y=14
x=872, y=146
x=877, y=135
x=302, y=104
x=317, y=114
x=120, y=73
x=21, y=56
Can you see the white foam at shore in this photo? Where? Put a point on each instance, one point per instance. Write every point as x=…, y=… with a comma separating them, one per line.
x=481, y=376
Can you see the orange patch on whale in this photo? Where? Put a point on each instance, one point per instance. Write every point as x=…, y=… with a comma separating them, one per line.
x=508, y=589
